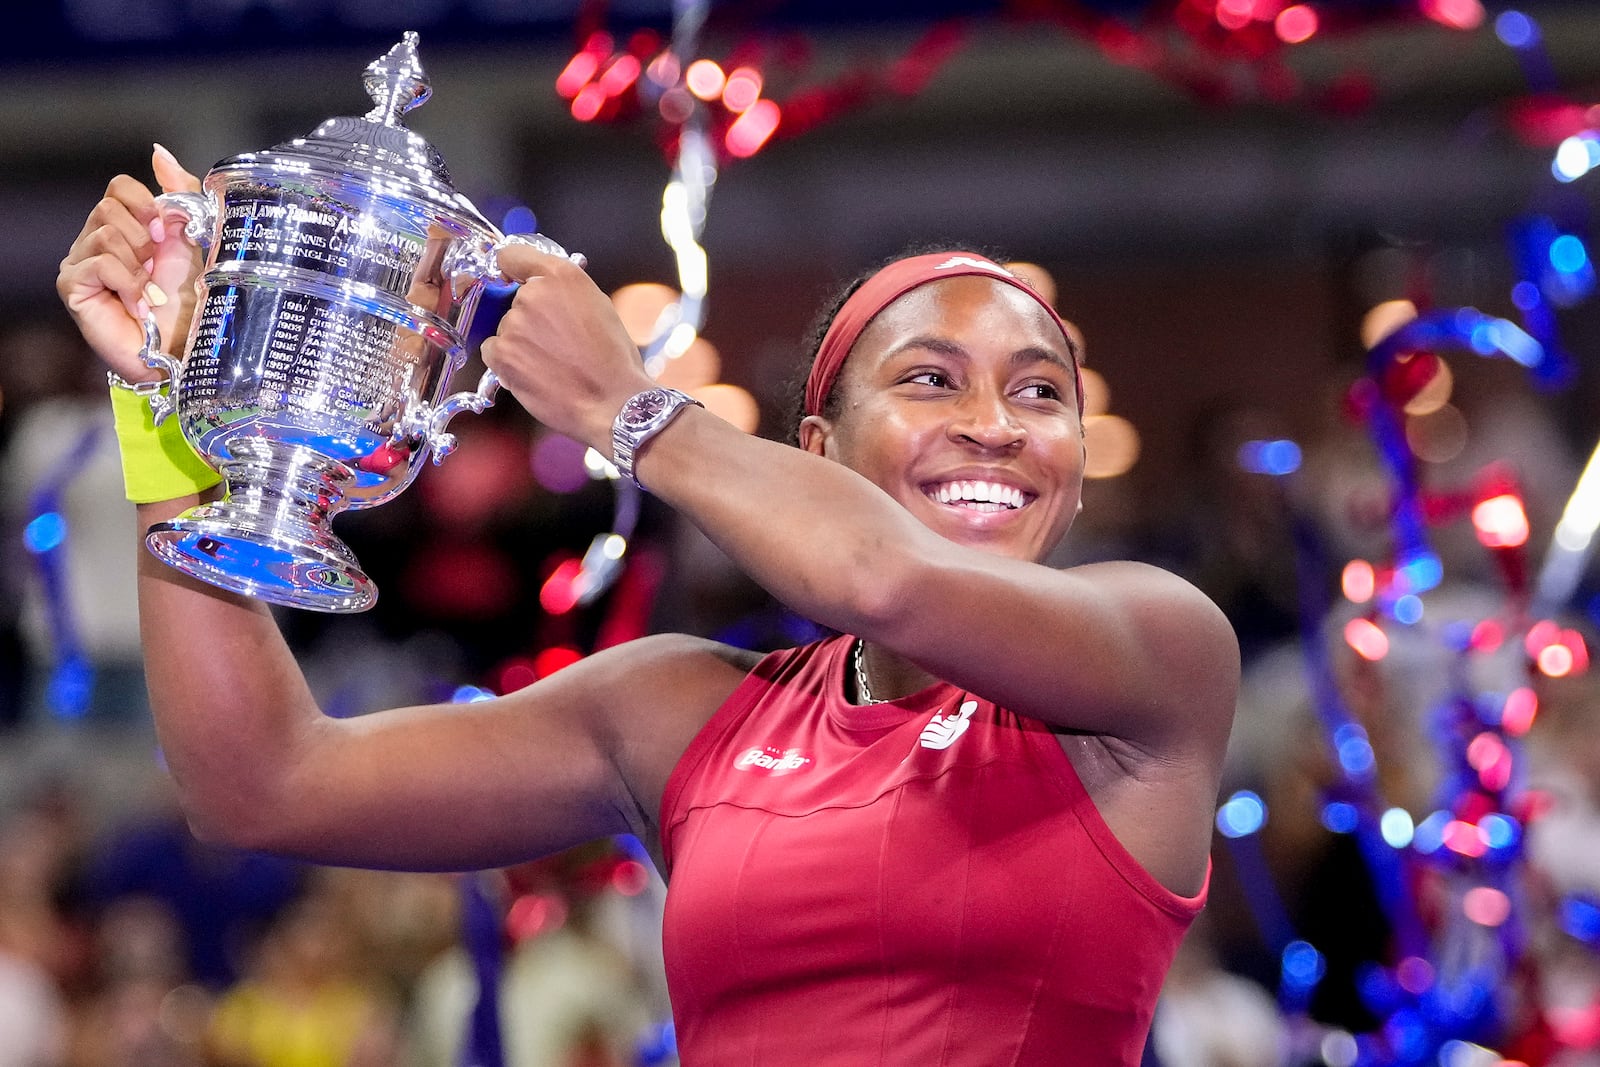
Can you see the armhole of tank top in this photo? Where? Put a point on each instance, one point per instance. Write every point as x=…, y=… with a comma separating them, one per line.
x=733, y=711
x=1048, y=750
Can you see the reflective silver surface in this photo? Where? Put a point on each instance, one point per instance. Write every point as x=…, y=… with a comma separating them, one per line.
x=341, y=275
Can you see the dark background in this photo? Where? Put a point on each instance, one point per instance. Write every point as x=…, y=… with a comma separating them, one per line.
x=1212, y=250
x=1218, y=235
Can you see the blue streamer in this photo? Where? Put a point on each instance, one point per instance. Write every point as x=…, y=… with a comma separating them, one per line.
x=480, y=933
x=1384, y=863
x=658, y=1045
x=1261, y=893
x=1417, y=566
x=1541, y=284
x=71, y=683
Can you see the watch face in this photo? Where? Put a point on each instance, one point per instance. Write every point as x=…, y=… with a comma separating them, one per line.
x=646, y=407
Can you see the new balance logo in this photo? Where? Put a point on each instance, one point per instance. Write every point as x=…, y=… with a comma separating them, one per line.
x=772, y=761
x=968, y=261
x=946, y=730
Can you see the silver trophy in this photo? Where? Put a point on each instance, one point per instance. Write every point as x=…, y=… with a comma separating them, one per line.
x=342, y=272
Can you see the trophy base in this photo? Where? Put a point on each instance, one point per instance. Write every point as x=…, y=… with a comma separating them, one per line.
x=222, y=546
x=268, y=537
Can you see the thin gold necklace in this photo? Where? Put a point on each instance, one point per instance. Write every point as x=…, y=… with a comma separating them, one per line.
x=863, y=690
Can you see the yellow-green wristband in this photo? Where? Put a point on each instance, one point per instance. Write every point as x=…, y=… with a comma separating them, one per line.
x=157, y=463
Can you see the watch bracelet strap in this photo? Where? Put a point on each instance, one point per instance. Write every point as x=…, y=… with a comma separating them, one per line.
x=625, y=451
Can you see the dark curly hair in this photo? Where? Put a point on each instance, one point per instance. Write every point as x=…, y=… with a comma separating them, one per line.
x=795, y=387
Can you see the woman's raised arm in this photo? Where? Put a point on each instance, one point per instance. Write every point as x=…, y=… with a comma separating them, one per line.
x=1120, y=649
x=582, y=753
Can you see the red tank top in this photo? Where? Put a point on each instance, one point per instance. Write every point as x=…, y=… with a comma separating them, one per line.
x=922, y=882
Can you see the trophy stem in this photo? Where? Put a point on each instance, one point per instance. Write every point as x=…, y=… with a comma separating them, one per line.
x=269, y=536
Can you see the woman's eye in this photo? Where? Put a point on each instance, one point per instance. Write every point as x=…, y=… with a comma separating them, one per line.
x=930, y=377
x=1040, y=391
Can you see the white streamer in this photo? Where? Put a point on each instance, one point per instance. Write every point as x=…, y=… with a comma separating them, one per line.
x=1573, y=541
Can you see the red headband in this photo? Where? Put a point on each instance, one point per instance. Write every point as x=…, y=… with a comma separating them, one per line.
x=889, y=285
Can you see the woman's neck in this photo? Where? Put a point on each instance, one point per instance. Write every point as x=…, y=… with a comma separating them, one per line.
x=880, y=675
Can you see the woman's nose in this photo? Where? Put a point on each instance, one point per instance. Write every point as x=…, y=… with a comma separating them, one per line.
x=987, y=420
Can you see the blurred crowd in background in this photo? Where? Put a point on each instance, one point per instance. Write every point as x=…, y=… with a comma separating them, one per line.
x=124, y=942
x=1218, y=244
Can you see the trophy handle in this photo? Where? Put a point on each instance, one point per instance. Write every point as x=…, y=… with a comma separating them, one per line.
x=161, y=404
x=442, y=442
x=198, y=215
x=533, y=240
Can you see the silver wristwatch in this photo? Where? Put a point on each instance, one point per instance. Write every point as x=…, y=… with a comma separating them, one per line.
x=644, y=415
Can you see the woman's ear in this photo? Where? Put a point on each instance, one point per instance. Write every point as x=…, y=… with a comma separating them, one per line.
x=816, y=435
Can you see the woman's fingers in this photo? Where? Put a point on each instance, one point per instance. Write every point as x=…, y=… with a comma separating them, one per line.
x=107, y=300
x=106, y=261
x=519, y=262
x=115, y=213
x=560, y=348
x=107, y=280
x=171, y=174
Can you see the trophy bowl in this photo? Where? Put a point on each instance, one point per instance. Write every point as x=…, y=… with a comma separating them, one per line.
x=341, y=275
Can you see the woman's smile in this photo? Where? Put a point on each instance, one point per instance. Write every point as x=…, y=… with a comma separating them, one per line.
x=979, y=495
x=959, y=401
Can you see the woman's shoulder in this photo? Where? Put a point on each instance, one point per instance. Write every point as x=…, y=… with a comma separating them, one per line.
x=676, y=682
x=649, y=696
x=687, y=657
x=656, y=694
x=1165, y=602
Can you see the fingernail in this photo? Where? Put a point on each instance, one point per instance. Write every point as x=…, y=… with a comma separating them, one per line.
x=158, y=229
x=144, y=308
x=162, y=150
x=154, y=294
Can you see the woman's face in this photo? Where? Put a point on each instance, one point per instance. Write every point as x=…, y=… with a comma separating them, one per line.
x=959, y=400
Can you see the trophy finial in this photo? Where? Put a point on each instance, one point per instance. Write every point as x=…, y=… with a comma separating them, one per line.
x=395, y=82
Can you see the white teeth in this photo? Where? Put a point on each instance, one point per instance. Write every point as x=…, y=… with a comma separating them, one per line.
x=1006, y=496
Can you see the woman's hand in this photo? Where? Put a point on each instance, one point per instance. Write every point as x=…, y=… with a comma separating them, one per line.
x=561, y=349
x=129, y=260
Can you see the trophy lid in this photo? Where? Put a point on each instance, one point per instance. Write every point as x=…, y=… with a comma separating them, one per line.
x=376, y=148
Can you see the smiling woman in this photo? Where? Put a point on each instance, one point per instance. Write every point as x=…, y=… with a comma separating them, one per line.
x=970, y=829
x=987, y=403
